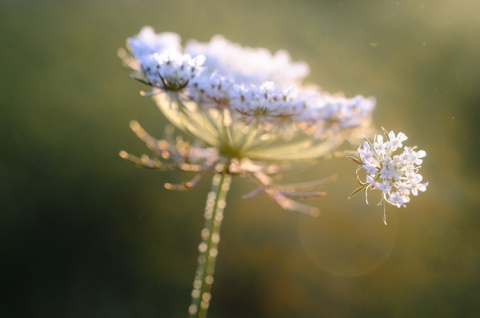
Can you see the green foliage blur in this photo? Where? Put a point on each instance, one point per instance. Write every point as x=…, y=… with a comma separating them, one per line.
x=85, y=234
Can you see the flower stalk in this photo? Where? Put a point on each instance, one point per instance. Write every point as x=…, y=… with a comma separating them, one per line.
x=208, y=248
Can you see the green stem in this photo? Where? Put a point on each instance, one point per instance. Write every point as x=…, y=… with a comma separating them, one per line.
x=209, y=245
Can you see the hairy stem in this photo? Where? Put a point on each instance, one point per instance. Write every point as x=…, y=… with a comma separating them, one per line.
x=209, y=245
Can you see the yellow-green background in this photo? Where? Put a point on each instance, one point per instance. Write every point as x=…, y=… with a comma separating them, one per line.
x=85, y=234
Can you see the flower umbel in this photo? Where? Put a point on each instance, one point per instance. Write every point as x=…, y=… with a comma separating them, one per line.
x=240, y=108
x=395, y=175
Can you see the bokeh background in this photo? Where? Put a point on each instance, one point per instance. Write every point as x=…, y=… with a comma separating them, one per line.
x=85, y=234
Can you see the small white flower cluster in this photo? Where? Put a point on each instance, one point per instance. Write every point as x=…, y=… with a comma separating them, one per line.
x=267, y=102
x=254, y=85
x=331, y=113
x=396, y=175
x=170, y=70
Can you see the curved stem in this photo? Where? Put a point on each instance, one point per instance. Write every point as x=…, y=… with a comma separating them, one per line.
x=209, y=245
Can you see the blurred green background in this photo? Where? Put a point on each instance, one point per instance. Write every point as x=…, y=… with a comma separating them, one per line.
x=85, y=234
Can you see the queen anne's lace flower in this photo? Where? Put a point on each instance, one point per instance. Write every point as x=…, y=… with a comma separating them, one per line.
x=244, y=107
x=395, y=175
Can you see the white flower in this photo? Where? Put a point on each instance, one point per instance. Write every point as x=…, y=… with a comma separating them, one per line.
x=266, y=102
x=387, y=170
x=397, y=199
x=170, y=70
x=385, y=186
x=416, y=186
x=365, y=153
x=371, y=169
x=348, y=112
x=211, y=90
x=413, y=157
x=395, y=142
x=329, y=114
x=379, y=146
x=256, y=94
x=241, y=104
x=395, y=175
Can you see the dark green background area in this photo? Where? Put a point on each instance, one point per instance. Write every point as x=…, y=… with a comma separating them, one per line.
x=85, y=234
